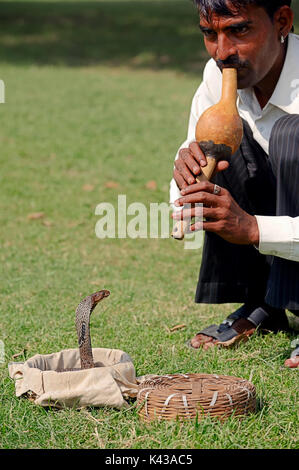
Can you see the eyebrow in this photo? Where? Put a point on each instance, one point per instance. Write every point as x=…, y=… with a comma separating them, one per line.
x=231, y=27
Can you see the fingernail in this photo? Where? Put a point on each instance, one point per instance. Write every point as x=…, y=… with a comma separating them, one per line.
x=195, y=169
x=203, y=163
x=190, y=180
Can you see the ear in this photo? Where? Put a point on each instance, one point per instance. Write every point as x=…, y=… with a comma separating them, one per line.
x=283, y=20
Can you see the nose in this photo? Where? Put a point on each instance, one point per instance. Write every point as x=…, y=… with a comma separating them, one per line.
x=225, y=47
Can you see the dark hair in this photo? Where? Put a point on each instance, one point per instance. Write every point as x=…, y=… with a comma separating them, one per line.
x=220, y=6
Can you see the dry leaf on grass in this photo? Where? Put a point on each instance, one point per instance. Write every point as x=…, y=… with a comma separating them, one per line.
x=98, y=282
x=111, y=184
x=177, y=327
x=21, y=353
x=47, y=223
x=151, y=185
x=36, y=215
x=73, y=224
x=88, y=187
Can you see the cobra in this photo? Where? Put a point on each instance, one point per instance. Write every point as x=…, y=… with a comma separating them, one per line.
x=83, y=313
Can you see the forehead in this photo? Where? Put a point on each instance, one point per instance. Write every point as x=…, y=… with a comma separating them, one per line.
x=250, y=13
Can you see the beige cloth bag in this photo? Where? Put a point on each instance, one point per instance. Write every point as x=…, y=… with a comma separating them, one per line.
x=44, y=378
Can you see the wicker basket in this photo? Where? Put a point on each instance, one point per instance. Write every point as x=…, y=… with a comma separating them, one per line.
x=186, y=396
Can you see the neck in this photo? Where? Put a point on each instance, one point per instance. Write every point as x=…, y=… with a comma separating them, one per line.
x=265, y=88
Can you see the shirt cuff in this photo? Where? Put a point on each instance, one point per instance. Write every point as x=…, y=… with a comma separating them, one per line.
x=275, y=235
x=174, y=195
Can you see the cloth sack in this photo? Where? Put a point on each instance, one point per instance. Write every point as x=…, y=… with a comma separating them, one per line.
x=46, y=379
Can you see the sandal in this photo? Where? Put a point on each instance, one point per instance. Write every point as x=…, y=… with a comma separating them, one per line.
x=240, y=325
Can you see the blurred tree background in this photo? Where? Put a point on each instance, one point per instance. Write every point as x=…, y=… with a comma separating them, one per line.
x=97, y=102
x=156, y=34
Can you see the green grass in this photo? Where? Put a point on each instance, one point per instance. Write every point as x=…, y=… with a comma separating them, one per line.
x=89, y=100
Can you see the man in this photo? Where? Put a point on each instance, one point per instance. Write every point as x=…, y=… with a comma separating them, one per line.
x=251, y=248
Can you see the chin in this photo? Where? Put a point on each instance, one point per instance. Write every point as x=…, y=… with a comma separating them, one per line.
x=245, y=82
x=242, y=85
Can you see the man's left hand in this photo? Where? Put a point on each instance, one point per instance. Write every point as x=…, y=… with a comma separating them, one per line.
x=223, y=215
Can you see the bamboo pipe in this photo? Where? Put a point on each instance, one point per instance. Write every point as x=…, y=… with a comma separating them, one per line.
x=219, y=133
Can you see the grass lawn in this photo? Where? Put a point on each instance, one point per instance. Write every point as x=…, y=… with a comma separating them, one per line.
x=95, y=93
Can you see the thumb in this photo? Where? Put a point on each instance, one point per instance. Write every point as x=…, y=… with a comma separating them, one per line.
x=222, y=165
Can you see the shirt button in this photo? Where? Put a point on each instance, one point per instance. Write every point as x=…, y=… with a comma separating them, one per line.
x=262, y=128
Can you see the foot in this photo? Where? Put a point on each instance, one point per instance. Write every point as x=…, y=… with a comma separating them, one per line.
x=246, y=321
x=242, y=326
x=293, y=362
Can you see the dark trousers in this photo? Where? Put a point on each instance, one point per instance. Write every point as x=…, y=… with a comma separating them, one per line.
x=262, y=185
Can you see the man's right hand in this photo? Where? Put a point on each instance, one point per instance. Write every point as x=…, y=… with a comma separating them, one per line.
x=189, y=163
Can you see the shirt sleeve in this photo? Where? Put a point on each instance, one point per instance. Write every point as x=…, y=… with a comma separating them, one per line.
x=279, y=236
x=207, y=94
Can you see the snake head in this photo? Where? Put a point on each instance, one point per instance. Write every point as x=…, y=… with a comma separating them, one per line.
x=97, y=296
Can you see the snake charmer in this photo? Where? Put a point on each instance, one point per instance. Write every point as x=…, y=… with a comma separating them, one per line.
x=251, y=209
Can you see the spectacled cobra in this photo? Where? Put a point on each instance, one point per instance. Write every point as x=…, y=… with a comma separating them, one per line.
x=83, y=312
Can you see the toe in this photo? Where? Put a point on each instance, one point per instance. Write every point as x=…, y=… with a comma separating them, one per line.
x=200, y=340
x=210, y=344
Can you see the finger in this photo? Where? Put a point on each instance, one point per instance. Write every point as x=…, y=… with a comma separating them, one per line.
x=221, y=166
x=213, y=226
x=197, y=187
x=192, y=164
x=179, y=180
x=214, y=213
x=182, y=168
x=187, y=156
x=188, y=213
x=198, y=153
x=206, y=226
x=211, y=200
x=195, y=227
x=183, y=152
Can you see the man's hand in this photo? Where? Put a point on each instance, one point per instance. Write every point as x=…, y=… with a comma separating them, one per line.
x=188, y=165
x=223, y=215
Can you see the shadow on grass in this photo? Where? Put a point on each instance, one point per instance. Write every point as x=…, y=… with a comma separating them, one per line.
x=145, y=34
x=138, y=34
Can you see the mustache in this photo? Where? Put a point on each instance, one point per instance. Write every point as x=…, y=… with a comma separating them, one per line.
x=232, y=61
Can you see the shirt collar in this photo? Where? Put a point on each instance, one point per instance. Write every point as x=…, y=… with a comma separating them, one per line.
x=286, y=93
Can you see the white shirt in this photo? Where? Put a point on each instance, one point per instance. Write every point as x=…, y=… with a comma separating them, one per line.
x=279, y=236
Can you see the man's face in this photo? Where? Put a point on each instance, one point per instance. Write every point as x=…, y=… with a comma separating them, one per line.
x=248, y=41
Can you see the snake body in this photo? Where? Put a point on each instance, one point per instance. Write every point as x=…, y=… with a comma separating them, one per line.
x=83, y=312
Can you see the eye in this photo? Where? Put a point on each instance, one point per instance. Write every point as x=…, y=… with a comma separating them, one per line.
x=209, y=34
x=240, y=29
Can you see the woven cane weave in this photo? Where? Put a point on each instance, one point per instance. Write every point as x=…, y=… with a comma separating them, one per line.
x=190, y=395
